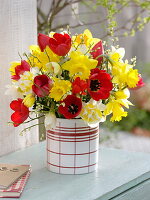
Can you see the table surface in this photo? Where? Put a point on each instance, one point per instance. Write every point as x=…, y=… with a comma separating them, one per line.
x=118, y=171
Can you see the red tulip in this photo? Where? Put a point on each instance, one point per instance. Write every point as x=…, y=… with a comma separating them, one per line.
x=79, y=86
x=98, y=50
x=71, y=108
x=43, y=41
x=42, y=85
x=99, y=84
x=21, y=112
x=20, y=69
x=139, y=84
x=60, y=44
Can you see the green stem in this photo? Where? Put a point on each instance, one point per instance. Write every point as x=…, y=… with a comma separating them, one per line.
x=36, y=57
x=33, y=119
x=27, y=121
x=124, y=88
x=47, y=55
x=89, y=48
x=107, y=57
x=28, y=59
x=29, y=128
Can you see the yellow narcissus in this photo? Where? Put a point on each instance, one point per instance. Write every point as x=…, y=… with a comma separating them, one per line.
x=116, y=103
x=59, y=89
x=132, y=78
x=79, y=65
x=29, y=100
x=13, y=66
x=124, y=75
x=85, y=38
x=40, y=59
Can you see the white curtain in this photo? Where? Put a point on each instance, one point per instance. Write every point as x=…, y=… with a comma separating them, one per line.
x=18, y=30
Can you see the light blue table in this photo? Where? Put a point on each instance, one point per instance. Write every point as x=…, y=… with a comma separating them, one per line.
x=121, y=176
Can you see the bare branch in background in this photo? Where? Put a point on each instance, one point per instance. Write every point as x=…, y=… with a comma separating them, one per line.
x=112, y=8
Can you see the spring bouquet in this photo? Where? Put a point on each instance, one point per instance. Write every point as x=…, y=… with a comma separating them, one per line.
x=72, y=77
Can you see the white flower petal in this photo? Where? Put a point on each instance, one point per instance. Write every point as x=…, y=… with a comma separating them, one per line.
x=50, y=121
x=12, y=90
x=113, y=49
x=121, y=52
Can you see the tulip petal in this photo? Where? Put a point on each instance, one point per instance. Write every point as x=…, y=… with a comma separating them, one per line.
x=43, y=41
x=16, y=105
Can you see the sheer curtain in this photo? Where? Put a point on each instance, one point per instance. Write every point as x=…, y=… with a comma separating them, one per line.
x=18, y=30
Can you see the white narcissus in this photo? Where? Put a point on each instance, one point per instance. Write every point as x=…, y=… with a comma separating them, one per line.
x=91, y=112
x=13, y=90
x=53, y=68
x=35, y=71
x=25, y=82
x=50, y=121
x=120, y=52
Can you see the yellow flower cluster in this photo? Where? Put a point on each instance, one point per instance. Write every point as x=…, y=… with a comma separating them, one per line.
x=86, y=38
x=40, y=59
x=59, y=89
x=79, y=65
x=123, y=73
x=116, y=103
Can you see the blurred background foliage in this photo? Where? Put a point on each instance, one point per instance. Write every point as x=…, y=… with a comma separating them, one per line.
x=108, y=19
x=136, y=118
x=107, y=10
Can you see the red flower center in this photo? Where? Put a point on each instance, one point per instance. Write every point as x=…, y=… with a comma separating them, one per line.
x=73, y=108
x=95, y=85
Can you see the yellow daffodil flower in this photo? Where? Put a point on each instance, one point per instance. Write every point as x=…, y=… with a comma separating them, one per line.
x=85, y=38
x=115, y=104
x=29, y=100
x=40, y=59
x=34, y=58
x=13, y=66
x=59, y=89
x=124, y=75
x=132, y=78
x=116, y=109
x=79, y=65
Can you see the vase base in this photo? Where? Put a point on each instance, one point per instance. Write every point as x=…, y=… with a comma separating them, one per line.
x=72, y=171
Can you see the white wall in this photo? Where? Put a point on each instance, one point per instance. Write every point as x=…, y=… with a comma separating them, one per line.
x=18, y=30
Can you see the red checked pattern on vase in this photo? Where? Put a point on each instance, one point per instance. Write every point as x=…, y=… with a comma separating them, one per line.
x=72, y=148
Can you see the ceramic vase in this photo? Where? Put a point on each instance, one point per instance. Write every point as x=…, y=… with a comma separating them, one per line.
x=72, y=147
